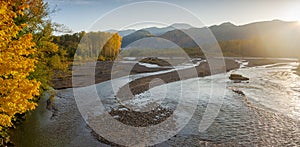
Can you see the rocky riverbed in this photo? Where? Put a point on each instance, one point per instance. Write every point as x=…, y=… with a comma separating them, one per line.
x=241, y=120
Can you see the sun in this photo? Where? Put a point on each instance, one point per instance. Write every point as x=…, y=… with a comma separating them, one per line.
x=292, y=13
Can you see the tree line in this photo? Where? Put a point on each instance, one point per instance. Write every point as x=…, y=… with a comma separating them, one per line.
x=89, y=46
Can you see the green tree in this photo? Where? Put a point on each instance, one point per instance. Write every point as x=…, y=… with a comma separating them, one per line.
x=36, y=16
x=69, y=43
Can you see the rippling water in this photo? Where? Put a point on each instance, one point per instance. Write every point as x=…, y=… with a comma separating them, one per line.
x=275, y=87
x=268, y=114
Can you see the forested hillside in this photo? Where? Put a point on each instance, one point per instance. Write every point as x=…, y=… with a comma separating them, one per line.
x=264, y=39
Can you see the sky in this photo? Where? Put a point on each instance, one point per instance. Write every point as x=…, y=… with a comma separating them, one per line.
x=82, y=15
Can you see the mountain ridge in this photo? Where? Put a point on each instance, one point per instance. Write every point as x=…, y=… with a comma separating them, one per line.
x=271, y=36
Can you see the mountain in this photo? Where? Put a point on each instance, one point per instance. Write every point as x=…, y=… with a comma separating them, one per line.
x=135, y=36
x=267, y=38
x=126, y=32
x=181, y=26
x=152, y=43
x=150, y=32
x=111, y=31
x=121, y=33
x=180, y=38
x=158, y=31
x=229, y=31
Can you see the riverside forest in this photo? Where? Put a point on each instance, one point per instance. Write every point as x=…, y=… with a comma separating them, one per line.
x=45, y=69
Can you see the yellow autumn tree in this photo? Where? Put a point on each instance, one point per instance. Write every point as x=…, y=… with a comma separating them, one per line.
x=111, y=49
x=16, y=62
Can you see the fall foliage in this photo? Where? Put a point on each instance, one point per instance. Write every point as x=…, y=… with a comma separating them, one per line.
x=17, y=60
x=28, y=58
x=98, y=46
x=28, y=55
x=111, y=49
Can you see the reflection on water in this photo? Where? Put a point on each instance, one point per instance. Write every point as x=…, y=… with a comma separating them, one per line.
x=66, y=128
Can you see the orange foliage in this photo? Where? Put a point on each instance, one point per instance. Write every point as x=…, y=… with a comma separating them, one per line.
x=16, y=63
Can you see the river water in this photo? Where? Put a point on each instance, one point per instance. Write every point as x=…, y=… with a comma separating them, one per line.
x=268, y=114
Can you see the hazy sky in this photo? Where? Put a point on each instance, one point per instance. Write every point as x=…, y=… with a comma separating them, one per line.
x=79, y=15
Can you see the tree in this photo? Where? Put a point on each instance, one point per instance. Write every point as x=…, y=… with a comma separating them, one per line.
x=96, y=45
x=69, y=43
x=111, y=48
x=50, y=58
x=17, y=60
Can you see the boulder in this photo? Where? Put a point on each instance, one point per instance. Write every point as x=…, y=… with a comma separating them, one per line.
x=237, y=77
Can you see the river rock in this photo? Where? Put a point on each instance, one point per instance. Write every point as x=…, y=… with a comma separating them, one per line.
x=237, y=77
x=155, y=60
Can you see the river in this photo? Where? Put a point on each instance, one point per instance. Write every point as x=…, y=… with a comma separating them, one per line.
x=268, y=114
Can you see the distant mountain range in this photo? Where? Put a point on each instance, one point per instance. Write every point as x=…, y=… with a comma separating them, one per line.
x=123, y=32
x=154, y=30
x=274, y=34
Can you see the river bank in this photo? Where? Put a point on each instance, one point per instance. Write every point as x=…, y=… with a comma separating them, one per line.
x=103, y=71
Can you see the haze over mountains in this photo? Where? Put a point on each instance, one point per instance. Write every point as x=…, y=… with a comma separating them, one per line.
x=271, y=36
